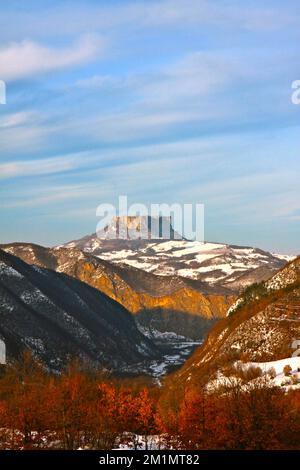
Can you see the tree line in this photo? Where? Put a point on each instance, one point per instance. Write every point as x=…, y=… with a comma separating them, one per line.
x=86, y=409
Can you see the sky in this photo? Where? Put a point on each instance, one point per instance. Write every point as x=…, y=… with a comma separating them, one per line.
x=165, y=101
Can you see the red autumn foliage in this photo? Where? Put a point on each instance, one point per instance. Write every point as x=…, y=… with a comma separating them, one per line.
x=89, y=410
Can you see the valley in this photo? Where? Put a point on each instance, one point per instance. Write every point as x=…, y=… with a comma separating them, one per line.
x=175, y=292
x=172, y=307
x=152, y=353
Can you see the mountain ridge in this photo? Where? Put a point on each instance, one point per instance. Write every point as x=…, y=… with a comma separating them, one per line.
x=58, y=317
x=162, y=303
x=260, y=327
x=215, y=264
x=152, y=278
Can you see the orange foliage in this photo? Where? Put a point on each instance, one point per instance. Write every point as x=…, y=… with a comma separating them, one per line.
x=80, y=409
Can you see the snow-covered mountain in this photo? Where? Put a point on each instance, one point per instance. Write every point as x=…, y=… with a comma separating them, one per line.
x=177, y=286
x=168, y=303
x=216, y=264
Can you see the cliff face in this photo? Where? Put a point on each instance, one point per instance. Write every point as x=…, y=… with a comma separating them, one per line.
x=184, y=299
x=186, y=312
x=176, y=308
x=139, y=227
x=166, y=303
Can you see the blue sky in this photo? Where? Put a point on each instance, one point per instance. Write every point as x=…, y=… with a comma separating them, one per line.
x=165, y=101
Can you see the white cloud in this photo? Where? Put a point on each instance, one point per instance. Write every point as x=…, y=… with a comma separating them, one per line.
x=16, y=119
x=126, y=126
x=197, y=75
x=38, y=167
x=69, y=19
x=26, y=58
x=42, y=196
x=15, y=139
x=97, y=159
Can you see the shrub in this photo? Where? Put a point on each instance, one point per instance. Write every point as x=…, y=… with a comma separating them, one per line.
x=287, y=370
x=255, y=291
x=272, y=373
x=294, y=379
x=246, y=373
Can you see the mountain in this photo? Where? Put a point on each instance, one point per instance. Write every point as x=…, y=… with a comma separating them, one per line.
x=215, y=265
x=262, y=329
x=170, y=285
x=167, y=304
x=139, y=227
x=58, y=318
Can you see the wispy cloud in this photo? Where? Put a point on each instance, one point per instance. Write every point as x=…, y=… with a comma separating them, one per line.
x=57, y=193
x=17, y=119
x=44, y=166
x=138, y=15
x=196, y=75
x=173, y=100
x=26, y=58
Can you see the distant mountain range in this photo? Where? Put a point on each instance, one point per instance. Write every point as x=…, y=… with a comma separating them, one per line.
x=60, y=318
x=69, y=300
x=166, y=304
x=216, y=265
x=175, y=286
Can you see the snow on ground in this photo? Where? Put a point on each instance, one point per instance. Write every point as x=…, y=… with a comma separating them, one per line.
x=189, y=273
x=208, y=269
x=234, y=306
x=188, y=248
x=177, y=349
x=283, y=278
x=118, y=255
x=209, y=262
x=293, y=362
x=33, y=296
x=130, y=441
x=273, y=375
x=221, y=381
x=9, y=271
x=169, y=361
x=287, y=258
x=94, y=245
x=166, y=335
x=168, y=245
x=281, y=379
